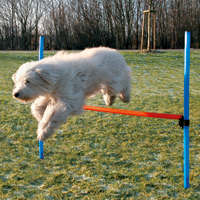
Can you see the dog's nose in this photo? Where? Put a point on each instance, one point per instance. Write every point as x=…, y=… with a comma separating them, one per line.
x=16, y=94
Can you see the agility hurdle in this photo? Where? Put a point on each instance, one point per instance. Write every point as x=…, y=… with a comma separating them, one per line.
x=183, y=120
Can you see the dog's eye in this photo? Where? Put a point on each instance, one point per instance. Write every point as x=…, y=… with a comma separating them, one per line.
x=27, y=82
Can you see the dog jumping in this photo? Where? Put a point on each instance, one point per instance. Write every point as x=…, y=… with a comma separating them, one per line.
x=59, y=85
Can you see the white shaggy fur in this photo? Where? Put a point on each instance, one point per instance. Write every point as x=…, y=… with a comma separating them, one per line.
x=59, y=85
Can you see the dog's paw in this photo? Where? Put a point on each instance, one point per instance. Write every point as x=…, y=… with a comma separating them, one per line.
x=44, y=132
x=124, y=96
x=42, y=135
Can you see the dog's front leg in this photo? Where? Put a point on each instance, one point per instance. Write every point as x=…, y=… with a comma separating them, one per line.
x=39, y=106
x=54, y=115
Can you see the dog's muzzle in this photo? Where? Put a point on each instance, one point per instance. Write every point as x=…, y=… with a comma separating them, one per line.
x=16, y=94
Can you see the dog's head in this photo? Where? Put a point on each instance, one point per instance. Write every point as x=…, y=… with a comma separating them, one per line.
x=34, y=79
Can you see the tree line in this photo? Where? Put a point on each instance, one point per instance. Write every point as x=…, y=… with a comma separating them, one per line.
x=77, y=24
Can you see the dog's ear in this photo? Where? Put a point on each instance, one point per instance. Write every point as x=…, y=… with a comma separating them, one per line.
x=14, y=77
x=48, y=75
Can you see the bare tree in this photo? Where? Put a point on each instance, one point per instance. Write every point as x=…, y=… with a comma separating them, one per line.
x=39, y=8
x=23, y=11
x=8, y=22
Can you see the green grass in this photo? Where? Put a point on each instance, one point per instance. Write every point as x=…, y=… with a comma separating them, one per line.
x=101, y=155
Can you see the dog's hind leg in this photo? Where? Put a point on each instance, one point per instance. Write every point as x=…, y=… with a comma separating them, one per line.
x=108, y=98
x=124, y=95
x=39, y=106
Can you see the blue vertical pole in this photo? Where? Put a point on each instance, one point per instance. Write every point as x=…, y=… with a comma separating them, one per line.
x=41, y=47
x=186, y=108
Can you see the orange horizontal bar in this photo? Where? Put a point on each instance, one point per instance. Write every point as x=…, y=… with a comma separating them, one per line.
x=134, y=113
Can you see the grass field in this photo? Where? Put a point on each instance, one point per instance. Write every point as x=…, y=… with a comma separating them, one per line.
x=101, y=155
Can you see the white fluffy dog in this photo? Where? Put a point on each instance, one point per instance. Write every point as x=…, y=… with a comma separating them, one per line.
x=59, y=85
